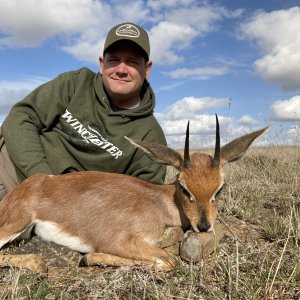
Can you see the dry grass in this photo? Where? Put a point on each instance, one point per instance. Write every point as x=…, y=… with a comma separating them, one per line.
x=259, y=258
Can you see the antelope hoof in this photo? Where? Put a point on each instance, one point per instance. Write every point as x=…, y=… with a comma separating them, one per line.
x=40, y=266
x=164, y=264
x=84, y=262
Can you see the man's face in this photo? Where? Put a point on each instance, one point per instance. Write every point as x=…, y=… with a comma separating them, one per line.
x=124, y=70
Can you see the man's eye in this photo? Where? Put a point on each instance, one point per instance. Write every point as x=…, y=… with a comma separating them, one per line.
x=132, y=62
x=113, y=61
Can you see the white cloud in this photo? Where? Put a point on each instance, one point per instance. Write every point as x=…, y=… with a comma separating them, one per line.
x=248, y=120
x=81, y=25
x=180, y=27
x=284, y=134
x=293, y=135
x=13, y=91
x=278, y=35
x=202, y=125
x=187, y=107
x=162, y=4
x=286, y=110
x=169, y=87
x=204, y=18
x=198, y=73
x=9, y=97
x=27, y=83
x=31, y=23
x=85, y=48
x=135, y=10
x=203, y=130
x=166, y=37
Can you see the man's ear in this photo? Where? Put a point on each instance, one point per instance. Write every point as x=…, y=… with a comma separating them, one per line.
x=148, y=68
x=101, y=63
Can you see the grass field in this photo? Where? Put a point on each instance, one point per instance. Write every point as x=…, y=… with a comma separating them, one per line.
x=259, y=257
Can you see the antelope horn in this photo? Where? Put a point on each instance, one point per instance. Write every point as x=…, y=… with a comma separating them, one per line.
x=217, y=156
x=186, y=159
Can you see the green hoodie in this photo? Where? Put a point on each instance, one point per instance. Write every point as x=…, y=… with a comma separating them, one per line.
x=68, y=123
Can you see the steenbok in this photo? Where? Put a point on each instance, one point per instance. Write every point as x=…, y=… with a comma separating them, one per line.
x=118, y=219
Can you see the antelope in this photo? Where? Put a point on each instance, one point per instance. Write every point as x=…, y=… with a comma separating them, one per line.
x=116, y=219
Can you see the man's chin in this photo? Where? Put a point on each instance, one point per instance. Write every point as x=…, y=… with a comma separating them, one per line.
x=120, y=95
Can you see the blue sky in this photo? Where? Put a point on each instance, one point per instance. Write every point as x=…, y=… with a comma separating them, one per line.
x=239, y=59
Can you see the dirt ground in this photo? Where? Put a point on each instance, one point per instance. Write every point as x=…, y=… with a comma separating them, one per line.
x=62, y=260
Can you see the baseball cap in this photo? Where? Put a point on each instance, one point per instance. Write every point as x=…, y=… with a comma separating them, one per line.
x=130, y=32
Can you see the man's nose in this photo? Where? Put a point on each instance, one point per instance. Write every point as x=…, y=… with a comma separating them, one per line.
x=122, y=68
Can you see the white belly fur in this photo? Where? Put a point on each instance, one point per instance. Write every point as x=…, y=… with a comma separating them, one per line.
x=49, y=231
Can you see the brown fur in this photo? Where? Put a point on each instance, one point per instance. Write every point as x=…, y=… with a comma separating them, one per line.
x=117, y=215
x=208, y=180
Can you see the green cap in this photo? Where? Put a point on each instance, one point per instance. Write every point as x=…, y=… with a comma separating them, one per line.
x=130, y=32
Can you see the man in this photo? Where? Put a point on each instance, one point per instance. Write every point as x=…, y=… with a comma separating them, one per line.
x=78, y=120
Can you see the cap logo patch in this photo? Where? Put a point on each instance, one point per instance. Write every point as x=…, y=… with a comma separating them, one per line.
x=128, y=30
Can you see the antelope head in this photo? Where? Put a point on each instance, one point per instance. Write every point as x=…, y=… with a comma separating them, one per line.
x=201, y=176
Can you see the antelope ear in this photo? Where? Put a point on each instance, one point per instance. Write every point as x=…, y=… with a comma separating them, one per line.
x=159, y=153
x=236, y=149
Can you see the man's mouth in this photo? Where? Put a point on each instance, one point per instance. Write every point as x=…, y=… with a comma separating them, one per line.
x=120, y=80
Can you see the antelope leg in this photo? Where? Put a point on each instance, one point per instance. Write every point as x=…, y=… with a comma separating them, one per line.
x=31, y=262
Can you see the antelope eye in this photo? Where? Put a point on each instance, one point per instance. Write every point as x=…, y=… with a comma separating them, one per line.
x=184, y=191
x=187, y=194
x=219, y=191
x=217, y=195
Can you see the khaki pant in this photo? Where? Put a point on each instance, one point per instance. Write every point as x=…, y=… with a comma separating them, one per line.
x=8, y=176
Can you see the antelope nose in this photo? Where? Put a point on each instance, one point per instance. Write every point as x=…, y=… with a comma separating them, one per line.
x=204, y=224
x=203, y=227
